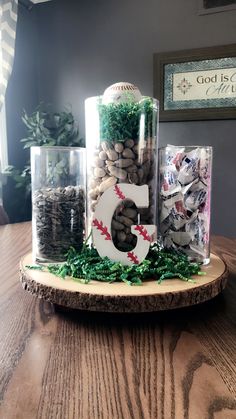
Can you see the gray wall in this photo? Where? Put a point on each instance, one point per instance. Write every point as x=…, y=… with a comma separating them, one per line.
x=84, y=46
x=22, y=91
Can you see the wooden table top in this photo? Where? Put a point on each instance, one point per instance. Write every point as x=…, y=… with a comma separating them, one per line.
x=80, y=365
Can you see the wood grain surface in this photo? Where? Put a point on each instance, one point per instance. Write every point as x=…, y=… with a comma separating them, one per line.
x=81, y=365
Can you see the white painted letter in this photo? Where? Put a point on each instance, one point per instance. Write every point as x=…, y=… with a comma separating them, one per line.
x=101, y=224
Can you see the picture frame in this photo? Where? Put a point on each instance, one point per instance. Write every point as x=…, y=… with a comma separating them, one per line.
x=196, y=84
x=215, y=6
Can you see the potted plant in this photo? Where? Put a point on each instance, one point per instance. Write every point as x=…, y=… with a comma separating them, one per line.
x=44, y=128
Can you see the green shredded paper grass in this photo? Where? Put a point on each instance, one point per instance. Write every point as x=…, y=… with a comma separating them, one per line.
x=160, y=264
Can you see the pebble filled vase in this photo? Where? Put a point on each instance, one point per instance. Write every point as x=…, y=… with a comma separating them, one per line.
x=122, y=143
x=58, y=201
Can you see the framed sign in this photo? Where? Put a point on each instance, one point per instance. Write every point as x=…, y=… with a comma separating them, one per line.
x=215, y=6
x=196, y=84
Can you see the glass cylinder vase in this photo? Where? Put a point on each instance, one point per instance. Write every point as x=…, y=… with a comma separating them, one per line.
x=122, y=144
x=184, y=200
x=58, y=201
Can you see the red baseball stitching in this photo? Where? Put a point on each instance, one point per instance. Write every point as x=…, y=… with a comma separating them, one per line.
x=133, y=257
x=143, y=232
x=119, y=192
x=104, y=230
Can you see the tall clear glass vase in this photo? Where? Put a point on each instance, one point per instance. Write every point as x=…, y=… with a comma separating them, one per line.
x=122, y=144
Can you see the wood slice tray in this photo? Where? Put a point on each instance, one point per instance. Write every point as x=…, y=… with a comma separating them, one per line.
x=120, y=297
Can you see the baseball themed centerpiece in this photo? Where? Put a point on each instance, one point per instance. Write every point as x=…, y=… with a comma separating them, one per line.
x=122, y=246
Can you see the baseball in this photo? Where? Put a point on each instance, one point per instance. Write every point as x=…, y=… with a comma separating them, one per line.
x=120, y=93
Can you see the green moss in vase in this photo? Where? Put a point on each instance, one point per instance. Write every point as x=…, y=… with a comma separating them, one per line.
x=121, y=121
